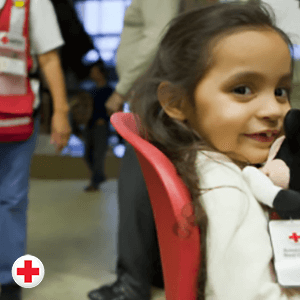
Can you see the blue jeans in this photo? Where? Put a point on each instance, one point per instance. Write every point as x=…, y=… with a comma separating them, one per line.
x=15, y=161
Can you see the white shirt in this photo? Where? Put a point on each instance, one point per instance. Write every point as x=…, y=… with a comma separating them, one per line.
x=44, y=34
x=239, y=251
x=44, y=29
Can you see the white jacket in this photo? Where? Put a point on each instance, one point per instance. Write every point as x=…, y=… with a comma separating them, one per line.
x=239, y=251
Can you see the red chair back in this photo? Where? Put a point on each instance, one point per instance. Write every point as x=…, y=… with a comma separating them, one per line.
x=179, y=240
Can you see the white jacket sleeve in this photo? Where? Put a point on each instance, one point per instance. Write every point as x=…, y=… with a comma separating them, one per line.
x=44, y=29
x=239, y=252
x=144, y=23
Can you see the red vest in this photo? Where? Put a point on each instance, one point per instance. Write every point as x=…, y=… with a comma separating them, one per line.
x=16, y=96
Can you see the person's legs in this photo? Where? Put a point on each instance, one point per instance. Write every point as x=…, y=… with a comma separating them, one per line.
x=89, y=156
x=88, y=147
x=15, y=161
x=100, y=132
x=138, y=252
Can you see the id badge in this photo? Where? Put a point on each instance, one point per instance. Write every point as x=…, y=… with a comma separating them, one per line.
x=12, y=66
x=285, y=237
x=13, y=72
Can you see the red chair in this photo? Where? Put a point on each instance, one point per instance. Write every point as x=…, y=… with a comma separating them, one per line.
x=179, y=240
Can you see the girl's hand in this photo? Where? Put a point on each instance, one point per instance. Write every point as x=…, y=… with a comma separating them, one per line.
x=60, y=130
x=261, y=185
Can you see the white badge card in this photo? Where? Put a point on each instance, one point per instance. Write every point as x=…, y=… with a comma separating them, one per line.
x=12, y=42
x=285, y=237
x=12, y=66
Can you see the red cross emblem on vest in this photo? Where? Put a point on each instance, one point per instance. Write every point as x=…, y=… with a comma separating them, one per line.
x=5, y=40
x=294, y=237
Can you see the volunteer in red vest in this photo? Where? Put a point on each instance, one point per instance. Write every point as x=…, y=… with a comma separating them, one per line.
x=29, y=36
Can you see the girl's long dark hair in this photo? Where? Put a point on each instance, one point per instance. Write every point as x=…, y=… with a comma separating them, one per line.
x=183, y=58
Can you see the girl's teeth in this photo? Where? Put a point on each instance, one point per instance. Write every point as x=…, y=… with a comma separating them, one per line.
x=269, y=134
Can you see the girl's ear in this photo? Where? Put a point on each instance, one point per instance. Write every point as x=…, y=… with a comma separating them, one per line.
x=170, y=101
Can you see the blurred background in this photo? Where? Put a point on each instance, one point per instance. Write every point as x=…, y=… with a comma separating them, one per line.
x=72, y=232
x=103, y=22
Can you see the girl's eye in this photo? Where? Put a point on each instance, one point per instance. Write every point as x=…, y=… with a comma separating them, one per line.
x=242, y=90
x=282, y=92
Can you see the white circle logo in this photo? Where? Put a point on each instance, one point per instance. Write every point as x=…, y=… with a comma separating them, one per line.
x=28, y=271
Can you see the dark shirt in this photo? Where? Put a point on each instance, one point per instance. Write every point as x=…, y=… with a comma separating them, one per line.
x=100, y=96
x=77, y=41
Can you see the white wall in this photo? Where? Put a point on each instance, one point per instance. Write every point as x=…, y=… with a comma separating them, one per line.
x=287, y=14
x=288, y=17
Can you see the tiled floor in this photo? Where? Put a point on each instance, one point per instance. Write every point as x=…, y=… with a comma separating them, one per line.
x=74, y=234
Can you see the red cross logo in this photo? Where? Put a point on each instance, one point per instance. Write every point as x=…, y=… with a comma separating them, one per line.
x=24, y=274
x=5, y=40
x=28, y=271
x=294, y=237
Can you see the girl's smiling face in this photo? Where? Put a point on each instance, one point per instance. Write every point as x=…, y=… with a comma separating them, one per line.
x=244, y=97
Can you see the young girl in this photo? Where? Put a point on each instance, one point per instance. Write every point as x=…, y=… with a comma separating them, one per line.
x=213, y=101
